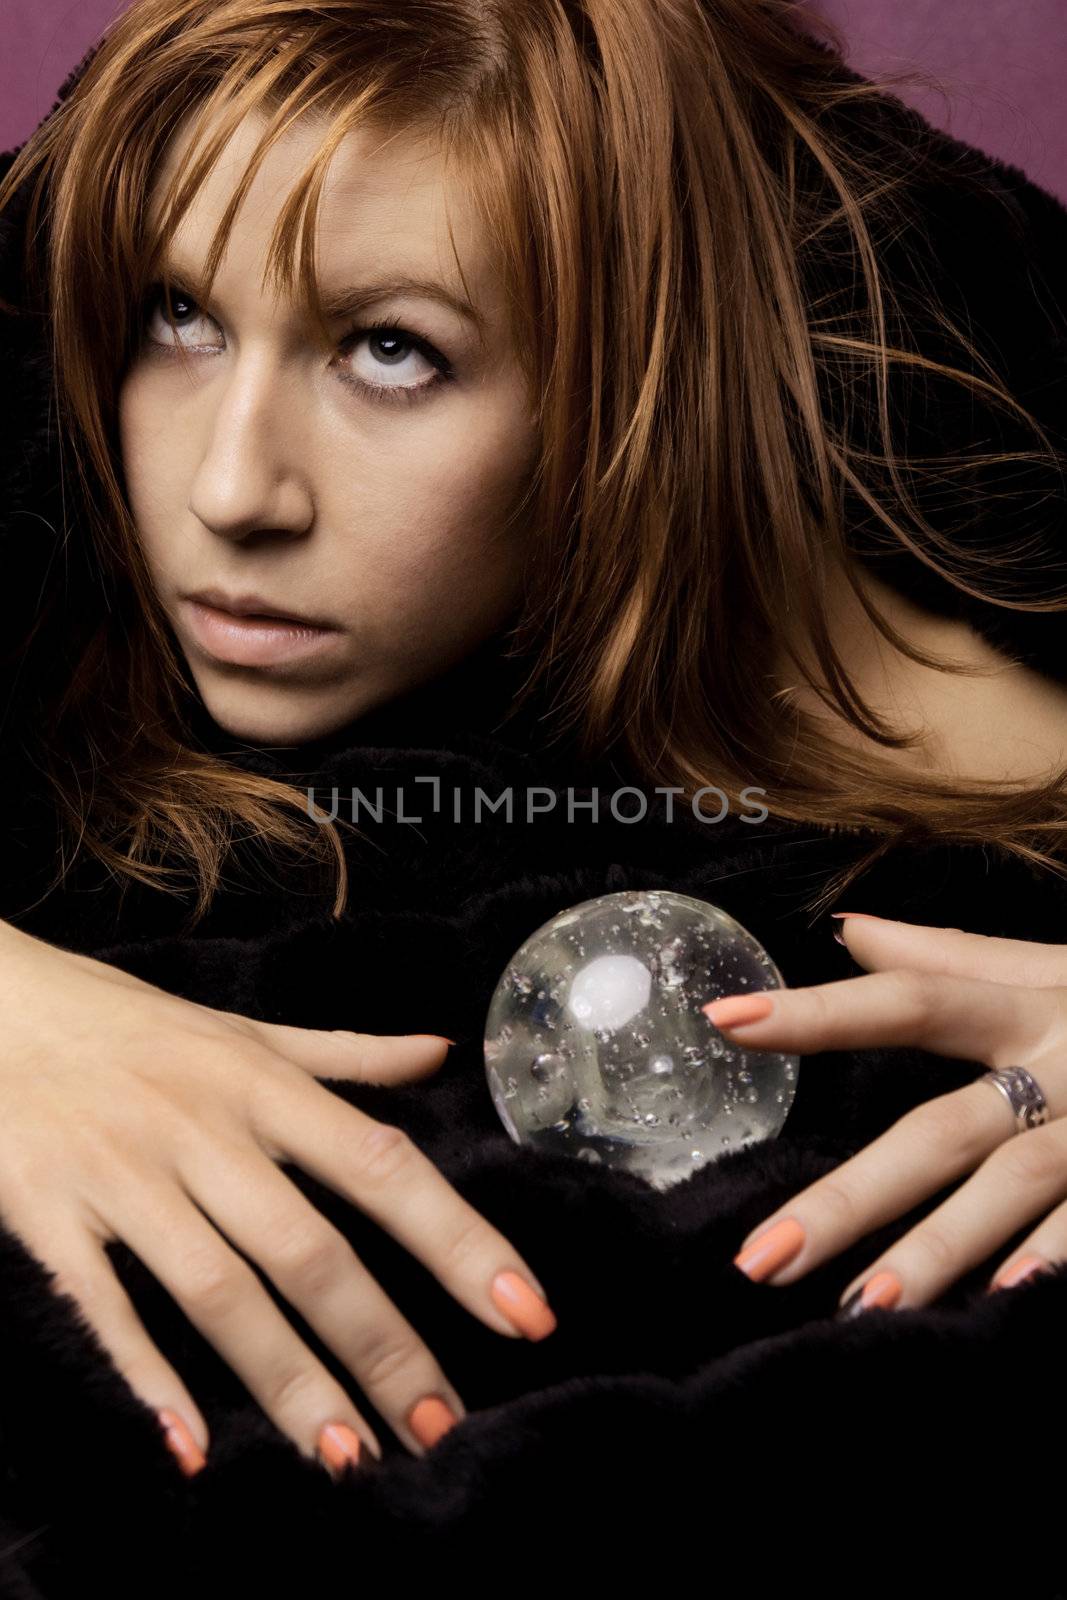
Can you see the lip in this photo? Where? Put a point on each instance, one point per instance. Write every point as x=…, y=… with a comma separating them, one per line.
x=254, y=605
x=244, y=631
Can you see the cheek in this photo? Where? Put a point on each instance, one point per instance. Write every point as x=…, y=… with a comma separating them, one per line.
x=444, y=510
x=152, y=467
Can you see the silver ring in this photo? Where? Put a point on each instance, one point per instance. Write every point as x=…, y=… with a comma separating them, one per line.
x=1028, y=1105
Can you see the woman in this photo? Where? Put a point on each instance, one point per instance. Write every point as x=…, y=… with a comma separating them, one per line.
x=638, y=389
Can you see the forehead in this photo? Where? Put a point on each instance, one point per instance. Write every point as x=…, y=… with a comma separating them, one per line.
x=389, y=198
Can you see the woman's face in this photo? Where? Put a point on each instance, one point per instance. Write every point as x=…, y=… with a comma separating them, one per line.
x=366, y=488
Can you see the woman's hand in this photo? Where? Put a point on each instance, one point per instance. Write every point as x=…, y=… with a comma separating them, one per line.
x=1002, y=1002
x=128, y=1113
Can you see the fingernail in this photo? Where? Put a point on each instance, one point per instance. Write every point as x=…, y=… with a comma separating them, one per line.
x=339, y=1446
x=439, y=1036
x=431, y=1419
x=1025, y=1267
x=771, y=1250
x=521, y=1305
x=858, y=916
x=181, y=1443
x=882, y=1291
x=738, y=1009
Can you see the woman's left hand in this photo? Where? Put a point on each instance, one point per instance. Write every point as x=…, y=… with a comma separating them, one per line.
x=1001, y=1002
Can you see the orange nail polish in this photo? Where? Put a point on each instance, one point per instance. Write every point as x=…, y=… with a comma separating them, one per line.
x=339, y=1446
x=1025, y=1267
x=771, y=1250
x=181, y=1444
x=882, y=1291
x=430, y=1420
x=738, y=1009
x=522, y=1305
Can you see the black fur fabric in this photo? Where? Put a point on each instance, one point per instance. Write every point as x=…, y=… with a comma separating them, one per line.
x=683, y=1426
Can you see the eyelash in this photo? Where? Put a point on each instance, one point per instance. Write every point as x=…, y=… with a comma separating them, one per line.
x=383, y=393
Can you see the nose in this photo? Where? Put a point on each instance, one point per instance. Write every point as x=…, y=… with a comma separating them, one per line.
x=250, y=481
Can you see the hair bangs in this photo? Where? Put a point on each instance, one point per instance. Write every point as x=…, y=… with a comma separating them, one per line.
x=285, y=90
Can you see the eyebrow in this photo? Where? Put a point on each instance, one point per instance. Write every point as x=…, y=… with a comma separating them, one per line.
x=353, y=298
x=344, y=302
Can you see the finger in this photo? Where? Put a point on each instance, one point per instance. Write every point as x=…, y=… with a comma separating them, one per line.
x=1019, y=1180
x=878, y=943
x=324, y=1052
x=224, y=1299
x=966, y=1018
x=79, y=1267
x=317, y=1271
x=381, y=1170
x=1043, y=1250
x=358, y=1057
x=929, y=1147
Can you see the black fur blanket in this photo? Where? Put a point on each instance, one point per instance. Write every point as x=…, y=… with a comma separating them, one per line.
x=683, y=1425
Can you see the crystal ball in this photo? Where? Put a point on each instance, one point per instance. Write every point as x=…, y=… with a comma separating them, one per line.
x=596, y=1046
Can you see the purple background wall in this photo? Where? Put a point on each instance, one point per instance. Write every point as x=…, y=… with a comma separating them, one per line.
x=1002, y=65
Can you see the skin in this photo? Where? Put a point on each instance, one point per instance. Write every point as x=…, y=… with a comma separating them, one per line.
x=260, y=468
x=1004, y=721
x=999, y=1002
x=266, y=465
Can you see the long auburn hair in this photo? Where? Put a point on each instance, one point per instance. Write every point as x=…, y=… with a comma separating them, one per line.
x=671, y=189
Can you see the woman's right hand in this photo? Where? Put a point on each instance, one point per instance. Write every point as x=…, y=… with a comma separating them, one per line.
x=129, y=1113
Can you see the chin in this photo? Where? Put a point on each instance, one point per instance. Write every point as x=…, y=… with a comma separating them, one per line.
x=278, y=718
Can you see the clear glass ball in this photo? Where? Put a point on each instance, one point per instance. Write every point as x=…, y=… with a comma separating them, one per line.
x=596, y=1046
